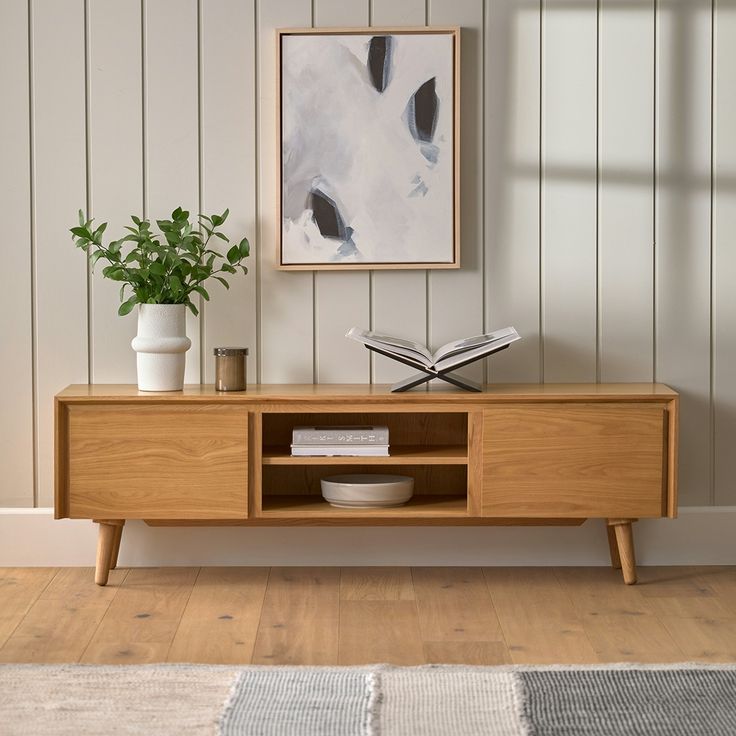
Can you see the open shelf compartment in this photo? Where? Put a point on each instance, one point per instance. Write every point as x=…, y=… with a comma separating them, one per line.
x=431, y=447
x=443, y=435
x=295, y=490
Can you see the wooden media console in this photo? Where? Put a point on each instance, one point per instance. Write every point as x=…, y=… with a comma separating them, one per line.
x=513, y=454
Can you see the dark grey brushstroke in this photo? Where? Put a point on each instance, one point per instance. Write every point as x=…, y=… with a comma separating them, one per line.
x=423, y=112
x=327, y=215
x=380, y=58
x=329, y=221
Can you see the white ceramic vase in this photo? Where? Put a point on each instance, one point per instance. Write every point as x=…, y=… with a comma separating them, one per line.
x=161, y=345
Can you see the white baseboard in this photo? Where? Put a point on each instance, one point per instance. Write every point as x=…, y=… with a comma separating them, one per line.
x=700, y=536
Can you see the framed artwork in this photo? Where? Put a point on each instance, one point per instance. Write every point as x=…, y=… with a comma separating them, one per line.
x=368, y=122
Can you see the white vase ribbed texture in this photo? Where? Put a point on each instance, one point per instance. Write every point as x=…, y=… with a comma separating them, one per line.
x=161, y=345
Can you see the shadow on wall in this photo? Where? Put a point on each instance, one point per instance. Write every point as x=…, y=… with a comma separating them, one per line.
x=683, y=166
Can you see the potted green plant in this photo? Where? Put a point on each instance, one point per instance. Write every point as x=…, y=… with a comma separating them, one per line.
x=160, y=273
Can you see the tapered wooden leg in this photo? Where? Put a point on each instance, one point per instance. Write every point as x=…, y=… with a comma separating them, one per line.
x=105, y=544
x=625, y=545
x=116, y=546
x=613, y=548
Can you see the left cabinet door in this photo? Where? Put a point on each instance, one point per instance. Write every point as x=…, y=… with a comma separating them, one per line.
x=156, y=461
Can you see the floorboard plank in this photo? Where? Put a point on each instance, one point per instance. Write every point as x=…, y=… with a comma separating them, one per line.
x=703, y=640
x=538, y=620
x=453, y=605
x=722, y=580
x=374, y=631
x=627, y=638
x=300, y=617
x=59, y=625
x=376, y=584
x=598, y=591
x=142, y=620
x=19, y=589
x=220, y=621
x=466, y=652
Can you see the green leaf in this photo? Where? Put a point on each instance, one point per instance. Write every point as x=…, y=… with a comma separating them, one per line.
x=175, y=284
x=136, y=220
x=222, y=281
x=192, y=308
x=157, y=268
x=201, y=290
x=222, y=236
x=233, y=255
x=95, y=257
x=98, y=233
x=127, y=306
x=81, y=232
x=244, y=248
x=81, y=218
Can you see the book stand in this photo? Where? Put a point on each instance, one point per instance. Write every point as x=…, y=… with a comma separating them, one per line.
x=427, y=374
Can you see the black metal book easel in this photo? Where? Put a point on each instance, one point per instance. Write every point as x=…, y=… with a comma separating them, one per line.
x=427, y=374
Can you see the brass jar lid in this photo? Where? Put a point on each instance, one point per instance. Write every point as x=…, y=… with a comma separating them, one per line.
x=219, y=352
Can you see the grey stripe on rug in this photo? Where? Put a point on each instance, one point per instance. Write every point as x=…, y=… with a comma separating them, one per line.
x=650, y=702
x=280, y=702
x=380, y=700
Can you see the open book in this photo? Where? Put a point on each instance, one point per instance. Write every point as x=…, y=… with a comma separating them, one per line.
x=450, y=355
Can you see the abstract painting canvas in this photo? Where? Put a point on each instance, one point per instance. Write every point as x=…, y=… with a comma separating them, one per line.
x=368, y=148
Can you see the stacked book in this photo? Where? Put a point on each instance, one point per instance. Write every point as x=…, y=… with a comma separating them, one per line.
x=369, y=441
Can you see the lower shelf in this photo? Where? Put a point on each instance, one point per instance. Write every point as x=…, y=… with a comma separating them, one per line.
x=316, y=506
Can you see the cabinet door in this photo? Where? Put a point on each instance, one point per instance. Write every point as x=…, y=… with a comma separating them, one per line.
x=157, y=461
x=574, y=460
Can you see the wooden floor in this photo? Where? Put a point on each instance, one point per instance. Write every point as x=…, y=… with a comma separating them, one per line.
x=360, y=615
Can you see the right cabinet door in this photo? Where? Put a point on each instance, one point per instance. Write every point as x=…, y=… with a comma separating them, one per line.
x=568, y=460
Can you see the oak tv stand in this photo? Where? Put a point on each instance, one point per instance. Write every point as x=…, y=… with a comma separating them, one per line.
x=513, y=454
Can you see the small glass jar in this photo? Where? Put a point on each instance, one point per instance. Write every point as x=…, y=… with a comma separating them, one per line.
x=230, y=369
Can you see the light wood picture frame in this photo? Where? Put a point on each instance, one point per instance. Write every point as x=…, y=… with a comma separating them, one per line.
x=368, y=123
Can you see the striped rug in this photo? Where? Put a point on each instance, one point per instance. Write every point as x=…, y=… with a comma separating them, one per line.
x=379, y=700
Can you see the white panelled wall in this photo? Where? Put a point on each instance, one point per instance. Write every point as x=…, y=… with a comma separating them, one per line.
x=598, y=197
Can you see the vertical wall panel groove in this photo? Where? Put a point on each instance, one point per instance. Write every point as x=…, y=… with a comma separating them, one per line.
x=683, y=229
x=200, y=180
x=342, y=299
x=228, y=166
x=16, y=330
x=724, y=253
x=287, y=298
x=172, y=132
x=115, y=147
x=512, y=134
x=569, y=190
x=399, y=300
x=456, y=297
x=626, y=106
x=60, y=190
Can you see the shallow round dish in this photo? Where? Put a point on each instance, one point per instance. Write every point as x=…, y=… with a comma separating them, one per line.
x=367, y=490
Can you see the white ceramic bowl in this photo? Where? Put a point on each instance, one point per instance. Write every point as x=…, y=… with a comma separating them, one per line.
x=367, y=490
